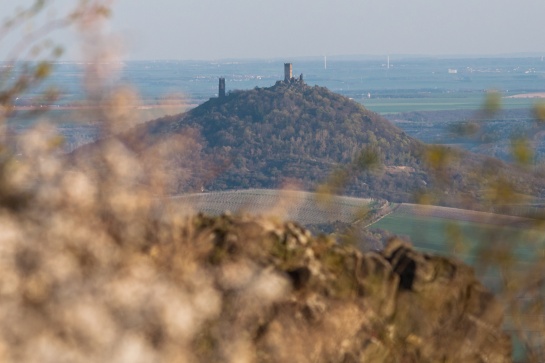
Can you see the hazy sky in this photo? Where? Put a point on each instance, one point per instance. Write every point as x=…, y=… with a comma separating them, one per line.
x=216, y=29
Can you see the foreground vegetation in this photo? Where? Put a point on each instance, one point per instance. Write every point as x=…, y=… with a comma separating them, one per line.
x=98, y=265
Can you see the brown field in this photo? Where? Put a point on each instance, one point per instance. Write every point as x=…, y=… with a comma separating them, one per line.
x=529, y=95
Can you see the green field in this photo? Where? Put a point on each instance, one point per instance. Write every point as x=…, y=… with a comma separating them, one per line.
x=397, y=105
x=464, y=233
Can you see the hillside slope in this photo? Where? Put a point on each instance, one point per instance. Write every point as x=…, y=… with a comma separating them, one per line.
x=294, y=133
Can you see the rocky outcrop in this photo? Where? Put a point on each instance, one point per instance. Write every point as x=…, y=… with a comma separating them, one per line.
x=289, y=297
x=158, y=286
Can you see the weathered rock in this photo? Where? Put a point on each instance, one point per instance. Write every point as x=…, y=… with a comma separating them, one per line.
x=291, y=297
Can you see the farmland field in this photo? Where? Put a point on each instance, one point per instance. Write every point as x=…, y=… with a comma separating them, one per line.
x=446, y=230
x=466, y=102
x=430, y=228
x=303, y=207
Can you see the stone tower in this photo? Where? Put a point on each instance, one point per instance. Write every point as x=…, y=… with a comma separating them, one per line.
x=221, y=90
x=287, y=72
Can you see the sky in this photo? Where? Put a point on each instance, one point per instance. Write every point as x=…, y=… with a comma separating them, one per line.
x=219, y=29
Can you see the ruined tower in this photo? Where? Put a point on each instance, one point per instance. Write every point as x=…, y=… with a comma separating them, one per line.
x=221, y=90
x=287, y=72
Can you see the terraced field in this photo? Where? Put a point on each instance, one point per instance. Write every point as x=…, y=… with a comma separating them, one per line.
x=303, y=207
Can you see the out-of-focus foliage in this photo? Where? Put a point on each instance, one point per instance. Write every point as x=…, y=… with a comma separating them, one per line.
x=539, y=111
x=492, y=103
x=511, y=260
x=465, y=129
x=97, y=265
x=97, y=268
x=522, y=151
x=29, y=59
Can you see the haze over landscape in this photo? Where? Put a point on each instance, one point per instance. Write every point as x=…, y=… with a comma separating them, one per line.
x=160, y=180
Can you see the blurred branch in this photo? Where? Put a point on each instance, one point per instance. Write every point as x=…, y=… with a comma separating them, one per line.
x=27, y=66
x=19, y=19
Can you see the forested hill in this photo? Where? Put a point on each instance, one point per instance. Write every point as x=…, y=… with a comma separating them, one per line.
x=292, y=132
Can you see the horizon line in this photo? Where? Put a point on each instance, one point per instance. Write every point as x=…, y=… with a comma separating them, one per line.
x=334, y=57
